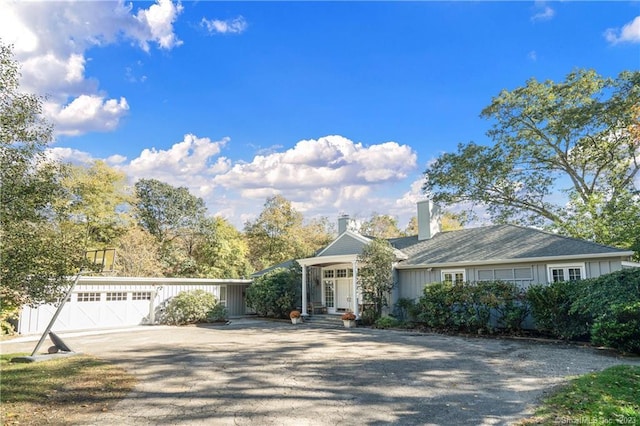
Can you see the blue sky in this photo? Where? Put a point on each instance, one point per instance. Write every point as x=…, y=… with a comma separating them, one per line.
x=338, y=106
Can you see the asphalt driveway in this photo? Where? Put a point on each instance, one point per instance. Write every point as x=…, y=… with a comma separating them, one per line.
x=255, y=372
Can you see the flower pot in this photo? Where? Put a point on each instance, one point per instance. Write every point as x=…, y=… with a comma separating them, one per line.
x=297, y=320
x=349, y=323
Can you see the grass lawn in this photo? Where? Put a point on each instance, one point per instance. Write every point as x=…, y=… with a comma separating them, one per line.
x=60, y=391
x=609, y=397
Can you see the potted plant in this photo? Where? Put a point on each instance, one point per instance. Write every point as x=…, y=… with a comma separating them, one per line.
x=295, y=316
x=348, y=319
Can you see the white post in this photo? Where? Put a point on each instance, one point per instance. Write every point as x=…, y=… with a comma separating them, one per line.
x=304, y=291
x=356, y=308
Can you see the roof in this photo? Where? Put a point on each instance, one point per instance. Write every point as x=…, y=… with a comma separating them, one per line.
x=496, y=243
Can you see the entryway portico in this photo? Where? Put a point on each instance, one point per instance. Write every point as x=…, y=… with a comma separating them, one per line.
x=338, y=280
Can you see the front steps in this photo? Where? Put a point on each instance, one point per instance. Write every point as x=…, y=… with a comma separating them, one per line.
x=324, y=321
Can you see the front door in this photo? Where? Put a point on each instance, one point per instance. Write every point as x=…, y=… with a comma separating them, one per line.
x=343, y=295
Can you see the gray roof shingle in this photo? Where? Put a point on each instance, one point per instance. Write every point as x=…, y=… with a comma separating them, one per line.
x=494, y=243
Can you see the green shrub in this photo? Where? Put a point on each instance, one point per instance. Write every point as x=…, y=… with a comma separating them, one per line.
x=506, y=300
x=387, y=322
x=434, y=306
x=275, y=293
x=613, y=300
x=405, y=309
x=619, y=328
x=217, y=314
x=597, y=296
x=551, y=309
x=188, y=307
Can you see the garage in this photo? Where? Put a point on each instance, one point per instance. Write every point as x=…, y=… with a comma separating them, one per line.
x=112, y=302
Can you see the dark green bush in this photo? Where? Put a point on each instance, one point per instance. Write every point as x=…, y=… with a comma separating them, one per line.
x=434, y=307
x=613, y=300
x=505, y=300
x=405, y=309
x=275, y=293
x=387, y=322
x=468, y=307
x=619, y=328
x=551, y=310
x=217, y=314
x=188, y=307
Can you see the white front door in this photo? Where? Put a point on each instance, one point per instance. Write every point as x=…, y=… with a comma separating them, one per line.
x=343, y=295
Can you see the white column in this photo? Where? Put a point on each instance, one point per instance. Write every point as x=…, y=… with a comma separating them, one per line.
x=304, y=291
x=356, y=308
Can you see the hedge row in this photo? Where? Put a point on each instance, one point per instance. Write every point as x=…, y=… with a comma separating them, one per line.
x=603, y=310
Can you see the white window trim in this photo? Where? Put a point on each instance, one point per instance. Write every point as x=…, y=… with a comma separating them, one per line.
x=453, y=271
x=565, y=266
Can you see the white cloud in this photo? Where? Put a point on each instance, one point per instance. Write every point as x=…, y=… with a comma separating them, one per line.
x=321, y=177
x=544, y=12
x=533, y=56
x=189, y=163
x=630, y=33
x=70, y=155
x=86, y=113
x=230, y=26
x=328, y=161
x=50, y=40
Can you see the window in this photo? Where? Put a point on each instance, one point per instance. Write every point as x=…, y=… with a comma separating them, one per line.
x=88, y=297
x=457, y=277
x=223, y=295
x=328, y=293
x=341, y=273
x=141, y=295
x=571, y=272
x=113, y=297
x=328, y=273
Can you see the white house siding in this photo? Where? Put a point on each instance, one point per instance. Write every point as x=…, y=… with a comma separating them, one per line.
x=102, y=302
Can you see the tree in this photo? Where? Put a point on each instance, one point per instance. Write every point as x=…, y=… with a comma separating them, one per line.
x=174, y=216
x=221, y=251
x=38, y=251
x=138, y=254
x=448, y=222
x=165, y=211
x=381, y=226
x=99, y=200
x=578, y=137
x=375, y=276
x=276, y=235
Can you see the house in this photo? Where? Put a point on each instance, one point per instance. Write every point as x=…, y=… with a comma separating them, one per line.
x=499, y=252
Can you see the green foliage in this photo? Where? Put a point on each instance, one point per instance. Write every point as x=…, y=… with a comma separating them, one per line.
x=188, y=307
x=275, y=293
x=98, y=202
x=221, y=251
x=375, y=276
x=405, y=309
x=38, y=248
x=279, y=234
x=619, y=328
x=469, y=307
x=583, y=130
x=381, y=226
x=218, y=313
x=387, y=322
x=505, y=300
x=613, y=300
x=551, y=310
